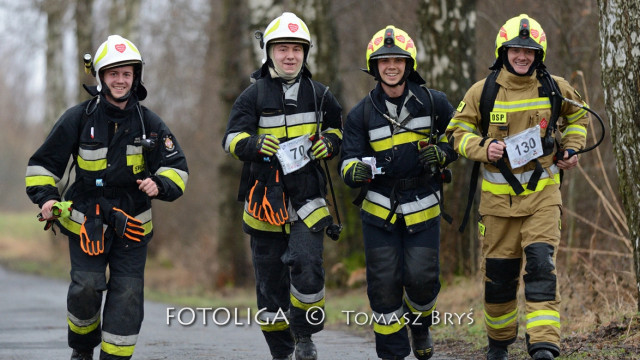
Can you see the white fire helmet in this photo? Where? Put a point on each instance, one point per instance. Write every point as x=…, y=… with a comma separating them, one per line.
x=286, y=28
x=114, y=52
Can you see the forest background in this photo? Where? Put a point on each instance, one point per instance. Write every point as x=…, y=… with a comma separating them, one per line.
x=198, y=56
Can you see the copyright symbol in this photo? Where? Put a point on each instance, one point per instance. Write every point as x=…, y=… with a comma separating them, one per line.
x=315, y=315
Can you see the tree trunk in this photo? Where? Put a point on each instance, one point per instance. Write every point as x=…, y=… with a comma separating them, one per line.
x=55, y=84
x=84, y=31
x=620, y=50
x=447, y=25
x=234, y=72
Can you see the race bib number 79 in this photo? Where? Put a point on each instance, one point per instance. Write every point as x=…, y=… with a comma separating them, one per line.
x=524, y=146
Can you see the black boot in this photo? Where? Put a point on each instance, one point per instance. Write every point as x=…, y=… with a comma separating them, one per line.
x=305, y=348
x=82, y=354
x=283, y=358
x=543, y=354
x=497, y=353
x=422, y=345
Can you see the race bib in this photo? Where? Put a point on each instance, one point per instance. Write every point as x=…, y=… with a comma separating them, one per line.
x=524, y=146
x=293, y=154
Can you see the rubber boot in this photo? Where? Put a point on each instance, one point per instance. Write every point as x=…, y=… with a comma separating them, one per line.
x=422, y=345
x=543, y=354
x=82, y=354
x=497, y=353
x=283, y=358
x=305, y=348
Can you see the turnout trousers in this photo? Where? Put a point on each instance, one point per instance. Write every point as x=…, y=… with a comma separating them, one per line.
x=289, y=286
x=505, y=241
x=123, y=311
x=402, y=283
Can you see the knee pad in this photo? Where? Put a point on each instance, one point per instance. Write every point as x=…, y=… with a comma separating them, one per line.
x=85, y=293
x=421, y=274
x=503, y=277
x=540, y=281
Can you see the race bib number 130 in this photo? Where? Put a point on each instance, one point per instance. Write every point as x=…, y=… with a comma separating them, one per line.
x=524, y=146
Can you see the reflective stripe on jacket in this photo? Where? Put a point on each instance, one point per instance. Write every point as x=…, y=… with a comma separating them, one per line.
x=396, y=152
x=106, y=147
x=287, y=115
x=521, y=105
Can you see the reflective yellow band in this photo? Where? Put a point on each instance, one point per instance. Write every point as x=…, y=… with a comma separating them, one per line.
x=543, y=317
x=500, y=321
x=39, y=181
x=305, y=306
x=276, y=326
x=118, y=350
x=389, y=328
x=83, y=330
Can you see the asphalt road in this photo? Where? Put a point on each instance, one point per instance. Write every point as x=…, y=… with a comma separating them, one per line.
x=33, y=327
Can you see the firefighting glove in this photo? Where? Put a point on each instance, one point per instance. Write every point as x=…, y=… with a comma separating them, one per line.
x=360, y=172
x=275, y=201
x=60, y=209
x=267, y=144
x=126, y=226
x=322, y=148
x=92, y=234
x=254, y=200
x=430, y=155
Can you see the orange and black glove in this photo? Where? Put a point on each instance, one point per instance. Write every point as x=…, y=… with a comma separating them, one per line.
x=92, y=234
x=254, y=200
x=275, y=201
x=126, y=226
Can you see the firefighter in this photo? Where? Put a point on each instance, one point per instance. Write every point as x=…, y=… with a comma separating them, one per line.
x=520, y=205
x=124, y=156
x=400, y=124
x=285, y=209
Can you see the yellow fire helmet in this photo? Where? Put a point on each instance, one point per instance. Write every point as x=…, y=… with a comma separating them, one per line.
x=390, y=42
x=286, y=28
x=522, y=31
x=117, y=51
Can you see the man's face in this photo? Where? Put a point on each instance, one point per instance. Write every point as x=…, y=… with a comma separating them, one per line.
x=288, y=57
x=521, y=59
x=118, y=80
x=391, y=69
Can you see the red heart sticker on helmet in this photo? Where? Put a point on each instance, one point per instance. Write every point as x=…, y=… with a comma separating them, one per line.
x=121, y=47
x=293, y=27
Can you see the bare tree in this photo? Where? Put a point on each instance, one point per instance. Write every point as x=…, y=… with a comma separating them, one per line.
x=55, y=84
x=84, y=31
x=447, y=40
x=620, y=48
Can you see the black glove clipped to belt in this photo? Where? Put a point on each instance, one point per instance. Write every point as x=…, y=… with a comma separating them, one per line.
x=126, y=225
x=254, y=200
x=275, y=201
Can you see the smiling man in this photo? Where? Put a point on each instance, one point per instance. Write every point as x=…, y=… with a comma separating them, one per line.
x=520, y=205
x=124, y=156
x=401, y=124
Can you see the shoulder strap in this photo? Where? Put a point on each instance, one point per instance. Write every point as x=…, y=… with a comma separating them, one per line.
x=487, y=100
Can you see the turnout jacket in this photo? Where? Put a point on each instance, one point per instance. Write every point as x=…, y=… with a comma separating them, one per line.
x=265, y=107
x=396, y=152
x=524, y=105
x=104, y=142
